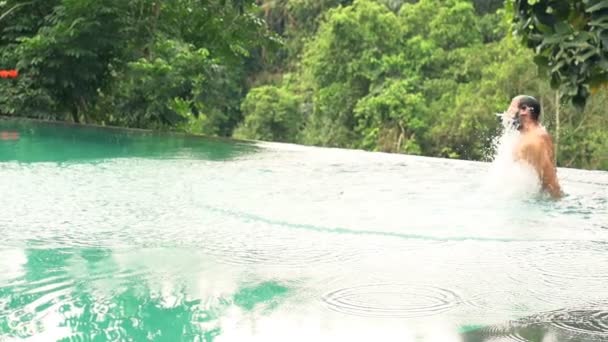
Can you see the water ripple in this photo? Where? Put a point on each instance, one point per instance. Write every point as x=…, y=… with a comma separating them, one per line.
x=262, y=246
x=586, y=322
x=391, y=300
x=357, y=232
x=505, y=333
x=568, y=261
x=501, y=301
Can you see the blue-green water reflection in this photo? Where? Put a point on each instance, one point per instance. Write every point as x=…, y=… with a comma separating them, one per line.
x=112, y=235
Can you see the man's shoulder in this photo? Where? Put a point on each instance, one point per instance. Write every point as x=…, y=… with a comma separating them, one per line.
x=540, y=136
x=545, y=137
x=542, y=143
x=536, y=141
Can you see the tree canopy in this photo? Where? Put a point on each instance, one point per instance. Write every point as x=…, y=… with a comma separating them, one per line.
x=570, y=41
x=420, y=77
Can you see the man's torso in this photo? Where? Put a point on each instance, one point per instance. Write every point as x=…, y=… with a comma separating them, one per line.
x=535, y=148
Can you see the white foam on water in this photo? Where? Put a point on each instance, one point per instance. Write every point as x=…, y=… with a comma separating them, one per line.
x=289, y=326
x=13, y=269
x=506, y=177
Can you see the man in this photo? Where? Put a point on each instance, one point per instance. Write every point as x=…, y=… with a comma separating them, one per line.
x=535, y=145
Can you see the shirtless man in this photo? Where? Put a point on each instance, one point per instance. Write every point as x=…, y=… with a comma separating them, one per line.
x=535, y=145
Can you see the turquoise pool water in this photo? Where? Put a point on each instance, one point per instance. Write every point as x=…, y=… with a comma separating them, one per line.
x=115, y=235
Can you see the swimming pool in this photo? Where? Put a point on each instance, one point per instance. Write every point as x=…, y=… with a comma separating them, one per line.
x=130, y=235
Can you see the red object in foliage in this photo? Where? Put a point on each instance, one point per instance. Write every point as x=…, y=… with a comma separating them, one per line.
x=9, y=73
x=9, y=135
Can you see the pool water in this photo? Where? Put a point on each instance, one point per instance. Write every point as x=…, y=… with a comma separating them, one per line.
x=120, y=235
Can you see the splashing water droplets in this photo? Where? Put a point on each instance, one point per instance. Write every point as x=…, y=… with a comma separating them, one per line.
x=506, y=175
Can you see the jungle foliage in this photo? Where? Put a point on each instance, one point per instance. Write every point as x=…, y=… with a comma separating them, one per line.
x=420, y=77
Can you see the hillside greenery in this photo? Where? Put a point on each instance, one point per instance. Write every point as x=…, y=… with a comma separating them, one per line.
x=419, y=77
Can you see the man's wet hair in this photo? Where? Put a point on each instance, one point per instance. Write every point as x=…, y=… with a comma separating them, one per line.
x=532, y=103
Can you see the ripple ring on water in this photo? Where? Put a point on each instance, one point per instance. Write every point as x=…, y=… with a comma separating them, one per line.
x=582, y=322
x=568, y=261
x=391, y=300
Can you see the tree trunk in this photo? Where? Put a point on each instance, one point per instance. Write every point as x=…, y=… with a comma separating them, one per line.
x=156, y=9
x=400, y=139
x=75, y=114
x=82, y=109
x=557, y=105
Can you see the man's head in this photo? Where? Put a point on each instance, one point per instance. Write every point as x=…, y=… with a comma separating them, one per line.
x=524, y=109
x=528, y=106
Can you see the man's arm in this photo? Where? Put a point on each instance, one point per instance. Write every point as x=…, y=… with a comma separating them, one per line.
x=549, y=180
x=539, y=154
x=547, y=169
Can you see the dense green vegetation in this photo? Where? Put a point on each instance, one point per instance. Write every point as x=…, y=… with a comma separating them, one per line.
x=421, y=77
x=571, y=42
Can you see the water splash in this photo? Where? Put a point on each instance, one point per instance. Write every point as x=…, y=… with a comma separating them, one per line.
x=507, y=177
